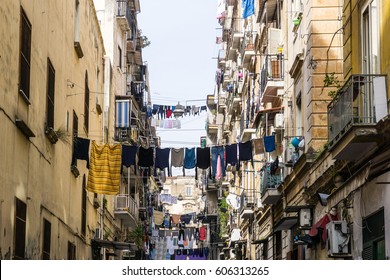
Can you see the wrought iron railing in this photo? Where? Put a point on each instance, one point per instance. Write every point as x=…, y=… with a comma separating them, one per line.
x=273, y=70
x=362, y=100
x=269, y=179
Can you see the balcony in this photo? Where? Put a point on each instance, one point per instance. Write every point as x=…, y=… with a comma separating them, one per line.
x=123, y=14
x=353, y=115
x=248, y=52
x=269, y=184
x=238, y=33
x=211, y=101
x=247, y=203
x=211, y=127
x=126, y=209
x=221, y=58
x=221, y=104
x=272, y=77
x=246, y=131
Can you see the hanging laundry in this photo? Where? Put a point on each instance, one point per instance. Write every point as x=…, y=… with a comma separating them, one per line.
x=245, y=151
x=218, y=175
x=217, y=152
x=145, y=157
x=189, y=158
x=162, y=159
x=129, y=154
x=231, y=154
x=158, y=217
x=269, y=143
x=248, y=8
x=203, y=157
x=177, y=157
x=258, y=146
x=80, y=150
x=105, y=166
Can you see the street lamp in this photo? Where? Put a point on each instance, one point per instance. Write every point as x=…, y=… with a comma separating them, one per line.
x=179, y=110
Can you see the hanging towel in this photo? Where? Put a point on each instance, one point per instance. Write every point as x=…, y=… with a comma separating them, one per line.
x=248, y=8
x=189, y=158
x=145, y=157
x=162, y=159
x=158, y=217
x=129, y=154
x=258, y=146
x=231, y=154
x=104, y=172
x=80, y=150
x=269, y=143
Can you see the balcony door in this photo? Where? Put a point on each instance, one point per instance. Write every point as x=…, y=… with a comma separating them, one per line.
x=370, y=37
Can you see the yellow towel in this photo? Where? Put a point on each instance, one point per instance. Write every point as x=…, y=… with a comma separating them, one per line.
x=105, y=168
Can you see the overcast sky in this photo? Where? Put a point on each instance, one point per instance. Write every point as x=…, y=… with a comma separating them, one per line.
x=181, y=60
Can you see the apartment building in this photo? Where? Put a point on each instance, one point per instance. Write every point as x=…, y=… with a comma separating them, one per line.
x=52, y=60
x=305, y=82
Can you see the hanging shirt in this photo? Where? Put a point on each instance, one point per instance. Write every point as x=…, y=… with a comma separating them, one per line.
x=231, y=154
x=162, y=158
x=189, y=158
x=203, y=157
x=145, y=157
x=177, y=157
x=80, y=150
x=129, y=154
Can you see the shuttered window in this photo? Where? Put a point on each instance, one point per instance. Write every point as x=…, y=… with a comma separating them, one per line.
x=50, y=95
x=20, y=229
x=374, y=236
x=46, y=240
x=25, y=55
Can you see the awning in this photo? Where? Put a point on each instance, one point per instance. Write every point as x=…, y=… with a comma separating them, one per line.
x=285, y=223
x=116, y=245
x=264, y=111
x=122, y=113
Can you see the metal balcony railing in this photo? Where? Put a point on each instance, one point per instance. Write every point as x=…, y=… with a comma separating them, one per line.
x=124, y=202
x=362, y=100
x=273, y=70
x=122, y=10
x=268, y=179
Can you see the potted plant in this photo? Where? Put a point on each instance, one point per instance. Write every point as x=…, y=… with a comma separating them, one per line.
x=137, y=236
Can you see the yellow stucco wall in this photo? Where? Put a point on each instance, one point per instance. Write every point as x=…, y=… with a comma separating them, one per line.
x=34, y=170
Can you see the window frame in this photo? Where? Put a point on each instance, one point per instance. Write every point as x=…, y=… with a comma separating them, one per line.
x=50, y=95
x=25, y=56
x=46, y=242
x=20, y=229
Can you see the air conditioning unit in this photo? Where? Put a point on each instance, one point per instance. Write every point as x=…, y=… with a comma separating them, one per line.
x=338, y=239
x=97, y=233
x=279, y=121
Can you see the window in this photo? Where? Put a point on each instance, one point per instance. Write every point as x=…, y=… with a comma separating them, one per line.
x=278, y=245
x=188, y=190
x=374, y=237
x=50, y=95
x=46, y=240
x=71, y=251
x=75, y=125
x=20, y=229
x=119, y=57
x=84, y=207
x=86, y=103
x=25, y=55
x=370, y=38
